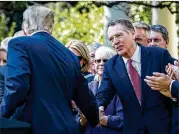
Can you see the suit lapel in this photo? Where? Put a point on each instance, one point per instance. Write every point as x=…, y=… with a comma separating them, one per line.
x=146, y=63
x=126, y=85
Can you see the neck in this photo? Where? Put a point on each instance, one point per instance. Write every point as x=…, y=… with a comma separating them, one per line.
x=131, y=51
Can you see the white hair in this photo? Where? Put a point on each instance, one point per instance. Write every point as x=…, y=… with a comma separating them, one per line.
x=4, y=43
x=104, y=52
x=37, y=18
x=19, y=33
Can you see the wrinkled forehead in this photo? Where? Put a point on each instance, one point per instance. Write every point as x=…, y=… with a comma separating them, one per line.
x=154, y=34
x=116, y=29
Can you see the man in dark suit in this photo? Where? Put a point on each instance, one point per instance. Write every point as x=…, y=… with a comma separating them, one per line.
x=145, y=111
x=46, y=76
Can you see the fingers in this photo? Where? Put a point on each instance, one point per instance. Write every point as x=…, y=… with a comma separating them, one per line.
x=176, y=63
x=156, y=74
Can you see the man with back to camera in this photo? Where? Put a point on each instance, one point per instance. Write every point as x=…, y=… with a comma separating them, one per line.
x=46, y=76
x=145, y=111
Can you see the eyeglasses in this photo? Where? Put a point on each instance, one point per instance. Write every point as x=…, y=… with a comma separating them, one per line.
x=80, y=58
x=99, y=60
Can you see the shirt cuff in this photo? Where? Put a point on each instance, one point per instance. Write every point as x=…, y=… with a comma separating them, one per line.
x=173, y=99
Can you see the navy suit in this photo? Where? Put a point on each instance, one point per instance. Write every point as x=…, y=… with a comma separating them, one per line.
x=175, y=119
x=46, y=76
x=2, y=73
x=153, y=116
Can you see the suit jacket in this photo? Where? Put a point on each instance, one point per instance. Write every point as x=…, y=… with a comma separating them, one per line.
x=175, y=118
x=46, y=76
x=2, y=73
x=154, y=114
x=175, y=89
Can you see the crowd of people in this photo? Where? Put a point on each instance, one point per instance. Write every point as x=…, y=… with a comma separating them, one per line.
x=129, y=88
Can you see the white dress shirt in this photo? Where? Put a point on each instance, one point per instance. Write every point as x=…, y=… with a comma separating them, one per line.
x=136, y=61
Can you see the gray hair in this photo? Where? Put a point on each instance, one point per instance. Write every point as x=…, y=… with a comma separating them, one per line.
x=37, y=18
x=94, y=46
x=161, y=29
x=142, y=25
x=19, y=33
x=124, y=22
x=4, y=43
x=104, y=52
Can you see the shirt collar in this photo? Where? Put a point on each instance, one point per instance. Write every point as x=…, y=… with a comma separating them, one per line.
x=39, y=31
x=135, y=57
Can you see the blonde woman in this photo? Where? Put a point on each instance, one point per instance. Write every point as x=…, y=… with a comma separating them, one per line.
x=82, y=52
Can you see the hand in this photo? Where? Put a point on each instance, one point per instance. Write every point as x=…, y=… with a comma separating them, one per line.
x=160, y=82
x=83, y=120
x=73, y=104
x=101, y=112
x=104, y=120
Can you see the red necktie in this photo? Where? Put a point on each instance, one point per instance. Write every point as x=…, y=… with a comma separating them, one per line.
x=135, y=79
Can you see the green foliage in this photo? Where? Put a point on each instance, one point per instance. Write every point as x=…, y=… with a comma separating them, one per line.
x=4, y=30
x=141, y=13
x=83, y=22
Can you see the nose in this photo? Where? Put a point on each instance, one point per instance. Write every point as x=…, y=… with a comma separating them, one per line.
x=152, y=43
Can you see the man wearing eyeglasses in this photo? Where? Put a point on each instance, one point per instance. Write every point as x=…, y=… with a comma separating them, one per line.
x=159, y=36
x=145, y=111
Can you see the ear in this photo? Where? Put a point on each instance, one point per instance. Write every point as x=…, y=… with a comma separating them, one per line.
x=133, y=35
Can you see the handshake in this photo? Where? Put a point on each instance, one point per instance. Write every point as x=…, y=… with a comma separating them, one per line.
x=103, y=119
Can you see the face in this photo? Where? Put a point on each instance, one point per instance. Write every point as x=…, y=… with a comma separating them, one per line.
x=99, y=64
x=82, y=61
x=156, y=39
x=141, y=36
x=3, y=58
x=92, y=67
x=122, y=40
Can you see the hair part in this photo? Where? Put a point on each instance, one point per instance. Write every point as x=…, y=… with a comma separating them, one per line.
x=38, y=18
x=93, y=47
x=83, y=50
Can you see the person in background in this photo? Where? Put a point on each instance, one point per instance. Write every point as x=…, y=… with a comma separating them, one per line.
x=142, y=32
x=92, y=49
x=159, y=36
x=82, y=52
x=3, y=56
x=112, y=118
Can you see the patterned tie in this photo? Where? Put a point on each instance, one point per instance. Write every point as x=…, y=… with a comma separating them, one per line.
x=135, y=79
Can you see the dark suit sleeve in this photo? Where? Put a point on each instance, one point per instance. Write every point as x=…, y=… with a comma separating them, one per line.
x=106, y=90
x=175, y=89
x=17, y=78
x=166, y=58
x=116, y=121
x=86, y=101
x=1, y=87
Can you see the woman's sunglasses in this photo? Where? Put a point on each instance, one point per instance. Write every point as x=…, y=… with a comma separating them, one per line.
x=99, y=60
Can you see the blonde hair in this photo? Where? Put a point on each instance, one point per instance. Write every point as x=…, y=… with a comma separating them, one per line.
x=83, y=50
